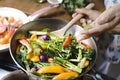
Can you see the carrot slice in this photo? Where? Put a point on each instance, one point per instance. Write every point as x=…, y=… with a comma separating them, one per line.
x=67, y=41
x=86, y=45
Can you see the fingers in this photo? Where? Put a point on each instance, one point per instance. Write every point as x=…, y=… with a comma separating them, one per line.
x=106, y=17
x=91, y=14
x=98, y=29
x=111, y=24
x=107, y=21
x=84, y=34
x=88, y=15
x=73, y=15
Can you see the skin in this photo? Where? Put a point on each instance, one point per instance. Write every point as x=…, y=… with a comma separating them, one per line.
x=107, y=21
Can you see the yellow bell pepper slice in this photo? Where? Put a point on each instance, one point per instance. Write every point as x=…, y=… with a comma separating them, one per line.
x=66, y=75
x=35, y=58
x=32, y=57
x=29, y=56
x=51, y=69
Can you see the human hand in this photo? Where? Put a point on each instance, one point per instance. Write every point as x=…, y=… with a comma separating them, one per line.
x=107, y=21
x=111, y=20
x=89, y=15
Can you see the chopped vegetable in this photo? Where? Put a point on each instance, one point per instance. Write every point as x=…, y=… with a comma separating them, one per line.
x=42, y=57
x=66, y=75
x=54, y=57
x=32, y=57
x=34, y=36
x=38, y=32
x=86, y=26
x=81, y=64
x=79, y=57
x=35, y=68
x=67, y=41
x=27, y=44
x=67, y=64
x=50, y=60
x=46, y=37
x=86, y=46
x=51, y=69
x=29, y=56
x=35, y=58
x=86, y=63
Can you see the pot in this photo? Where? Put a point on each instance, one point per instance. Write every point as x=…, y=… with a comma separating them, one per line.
x=52, y=24
x=8, y=11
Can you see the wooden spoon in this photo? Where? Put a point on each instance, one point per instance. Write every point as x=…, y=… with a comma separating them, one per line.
x=61, y=31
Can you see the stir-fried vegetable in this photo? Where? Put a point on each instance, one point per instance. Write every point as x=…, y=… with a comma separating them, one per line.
x=51, y=69
x=68, y=64
x=67, y=41
x=65, y=75
x=50, y=56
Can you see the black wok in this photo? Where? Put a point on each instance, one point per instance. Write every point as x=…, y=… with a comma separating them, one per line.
x=52, y=24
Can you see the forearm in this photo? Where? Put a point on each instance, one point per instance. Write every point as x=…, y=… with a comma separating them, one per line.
x=109, y=21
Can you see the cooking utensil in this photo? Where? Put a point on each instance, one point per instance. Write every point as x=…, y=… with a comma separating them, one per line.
x=61, y=31
x=51, y=24
x=8, y=67
x=55, y=1
x=7, y=11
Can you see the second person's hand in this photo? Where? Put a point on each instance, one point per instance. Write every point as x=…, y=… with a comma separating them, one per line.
x=107, y=21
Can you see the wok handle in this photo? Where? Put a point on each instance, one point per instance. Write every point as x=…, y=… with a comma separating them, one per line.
x=9, y=67
x=41, y=12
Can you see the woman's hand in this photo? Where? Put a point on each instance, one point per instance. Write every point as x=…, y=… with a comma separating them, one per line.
x=109, y=20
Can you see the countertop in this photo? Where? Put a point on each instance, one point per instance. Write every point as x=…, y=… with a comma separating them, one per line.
x=30, y=6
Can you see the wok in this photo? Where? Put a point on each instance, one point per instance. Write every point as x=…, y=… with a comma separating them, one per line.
x=51, y=24
x=16, y=13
